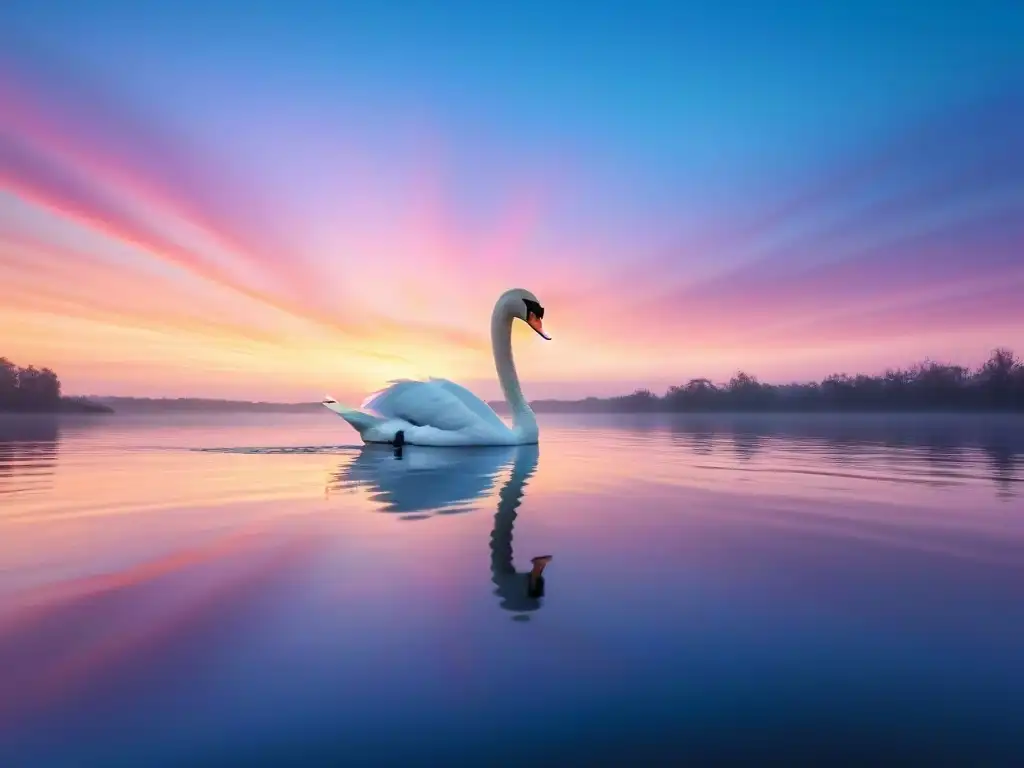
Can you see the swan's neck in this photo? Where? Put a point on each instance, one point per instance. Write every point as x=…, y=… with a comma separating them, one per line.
x=501, y=342
x=509, y=498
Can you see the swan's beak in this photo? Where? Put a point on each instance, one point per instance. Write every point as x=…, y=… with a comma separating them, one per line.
x=535, y=322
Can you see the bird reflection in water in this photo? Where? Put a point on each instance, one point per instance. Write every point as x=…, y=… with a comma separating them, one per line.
x=520, y=592
x=418, y=482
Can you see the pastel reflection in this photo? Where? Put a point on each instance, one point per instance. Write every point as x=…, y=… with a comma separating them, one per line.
x=171, y=572
x=419, y=480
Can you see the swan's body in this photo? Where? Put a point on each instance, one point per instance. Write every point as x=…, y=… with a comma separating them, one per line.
x=440, y=412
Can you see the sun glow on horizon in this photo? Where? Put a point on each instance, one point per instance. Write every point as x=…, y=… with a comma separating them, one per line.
x=167, y=234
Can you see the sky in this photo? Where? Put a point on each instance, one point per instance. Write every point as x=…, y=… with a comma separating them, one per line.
x=270, y=200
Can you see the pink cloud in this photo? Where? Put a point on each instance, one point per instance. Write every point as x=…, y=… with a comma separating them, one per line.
x=32, y=176
x=89, y=125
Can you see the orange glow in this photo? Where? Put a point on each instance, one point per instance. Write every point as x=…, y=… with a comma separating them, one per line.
x=136, y=265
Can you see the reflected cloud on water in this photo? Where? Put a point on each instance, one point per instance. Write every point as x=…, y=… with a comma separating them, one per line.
x=746, y=445
x=418, y=482
x=936, y=449
x=837, y=565
x=1004, y=464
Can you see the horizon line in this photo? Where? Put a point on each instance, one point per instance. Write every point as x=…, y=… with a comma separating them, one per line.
x=994, y=352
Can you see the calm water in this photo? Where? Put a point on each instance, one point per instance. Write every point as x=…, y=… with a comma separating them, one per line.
x=258, y=590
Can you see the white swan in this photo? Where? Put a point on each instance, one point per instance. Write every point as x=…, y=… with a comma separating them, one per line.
x=442, y=413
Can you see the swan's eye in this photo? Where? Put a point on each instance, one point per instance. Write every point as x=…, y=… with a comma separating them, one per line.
x=533, y=308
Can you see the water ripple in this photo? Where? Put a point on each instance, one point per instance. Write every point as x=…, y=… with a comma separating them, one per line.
x=249, y=450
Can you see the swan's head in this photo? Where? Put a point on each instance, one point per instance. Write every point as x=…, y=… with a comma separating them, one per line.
x=524, y=305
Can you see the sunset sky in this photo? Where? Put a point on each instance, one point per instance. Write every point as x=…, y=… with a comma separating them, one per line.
x=275, y=200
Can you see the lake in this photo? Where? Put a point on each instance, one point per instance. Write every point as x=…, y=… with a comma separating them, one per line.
x=260, y=590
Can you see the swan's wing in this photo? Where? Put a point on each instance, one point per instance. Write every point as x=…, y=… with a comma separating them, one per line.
x=423, y=404
x=377, y=402
x=482, y=410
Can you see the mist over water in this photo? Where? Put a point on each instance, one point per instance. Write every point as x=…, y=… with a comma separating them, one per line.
x=260, y=589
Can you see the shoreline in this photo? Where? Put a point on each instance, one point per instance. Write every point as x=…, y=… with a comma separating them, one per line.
x=271, y=408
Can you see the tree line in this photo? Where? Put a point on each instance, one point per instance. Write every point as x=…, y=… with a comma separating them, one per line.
x=28, y=389
x=998, y=384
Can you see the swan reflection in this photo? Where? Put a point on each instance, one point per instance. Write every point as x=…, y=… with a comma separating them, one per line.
x=519, y=591
x=418, y=482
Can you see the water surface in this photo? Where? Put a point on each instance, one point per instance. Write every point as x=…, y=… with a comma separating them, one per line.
x=259, y=589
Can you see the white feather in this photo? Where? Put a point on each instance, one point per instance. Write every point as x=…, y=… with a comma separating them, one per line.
x=440, y=412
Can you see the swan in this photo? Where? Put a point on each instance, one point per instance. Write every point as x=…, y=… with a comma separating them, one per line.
x=439, y=412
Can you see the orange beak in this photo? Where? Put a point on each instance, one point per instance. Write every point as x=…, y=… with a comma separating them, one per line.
x=535, y=322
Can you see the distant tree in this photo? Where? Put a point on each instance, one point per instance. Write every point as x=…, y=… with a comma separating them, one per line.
x=640, y=400
x=48, y=387
x=998, y=376
x=1002, y=363
x=8, y=383
x=935, y=384
x=697, y=387
x=28, y=389
x=930, y=385
x=698, y=393
x=746, y=392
